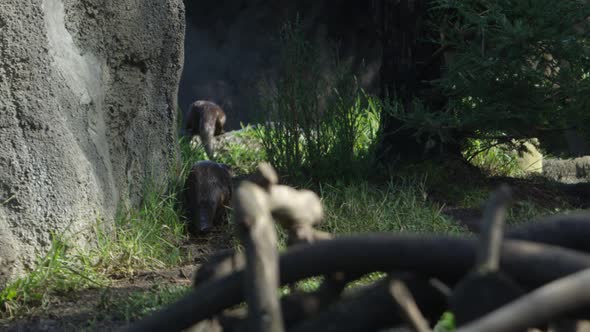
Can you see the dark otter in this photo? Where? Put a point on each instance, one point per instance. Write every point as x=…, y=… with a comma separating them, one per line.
x=208, y=191
x=206, y=119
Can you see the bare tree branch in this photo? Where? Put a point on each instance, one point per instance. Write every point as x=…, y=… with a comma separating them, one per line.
x=219, y=265
x=265, y=176
x=540, y=306
x=405, y=301
x=261, y=283
x=444, y=257
x=494, y=215
x=568, y=231
x=373, y=307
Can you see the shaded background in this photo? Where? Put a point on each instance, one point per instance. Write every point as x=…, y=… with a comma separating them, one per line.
x=229, y=45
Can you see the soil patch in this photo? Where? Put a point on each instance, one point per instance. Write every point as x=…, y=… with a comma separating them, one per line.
x=538, y=191
x=110, y=309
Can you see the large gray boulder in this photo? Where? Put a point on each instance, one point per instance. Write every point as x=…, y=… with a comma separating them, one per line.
x=87, y=113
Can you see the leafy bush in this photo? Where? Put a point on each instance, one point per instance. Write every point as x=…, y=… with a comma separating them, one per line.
x=517, y=67
x=495, y=159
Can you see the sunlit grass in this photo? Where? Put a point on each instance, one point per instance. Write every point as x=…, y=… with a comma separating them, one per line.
x=392, y=207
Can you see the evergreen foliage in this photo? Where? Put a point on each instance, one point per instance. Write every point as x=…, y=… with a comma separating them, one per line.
x=513, y=69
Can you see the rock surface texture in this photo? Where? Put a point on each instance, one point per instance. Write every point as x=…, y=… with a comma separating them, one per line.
x=575, y=170
x=87, y=113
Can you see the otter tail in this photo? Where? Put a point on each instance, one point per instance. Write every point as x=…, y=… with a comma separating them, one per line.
x=191, y=121
x=206, y=131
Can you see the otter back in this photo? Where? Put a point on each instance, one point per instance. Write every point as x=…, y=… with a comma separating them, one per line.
x=208, y=191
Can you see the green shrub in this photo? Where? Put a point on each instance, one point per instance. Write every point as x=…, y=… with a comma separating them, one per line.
x=516, y=67
x=492, y=157
x=446, y=323
x=317, y=125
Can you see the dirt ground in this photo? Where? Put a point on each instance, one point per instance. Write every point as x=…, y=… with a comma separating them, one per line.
x=80, y=311
x=538, y=191
x=85, y=310
x=88, y=310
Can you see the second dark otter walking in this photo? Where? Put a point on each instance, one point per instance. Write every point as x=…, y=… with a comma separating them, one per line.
x=208, y=191
x=206, y=119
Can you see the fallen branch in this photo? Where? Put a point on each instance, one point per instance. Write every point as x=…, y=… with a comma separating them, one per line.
x=407, y=305
x=265, y=176
x=298, y=307
x=538, y=307
x=295, y=307
x=374, y=307
x=261, y=283
x=486, y=287
x=569, y=231
x=218, y=265
x=297, y=211
x=444, y=257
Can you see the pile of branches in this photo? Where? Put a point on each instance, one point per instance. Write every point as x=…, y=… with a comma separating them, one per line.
x=534, y=276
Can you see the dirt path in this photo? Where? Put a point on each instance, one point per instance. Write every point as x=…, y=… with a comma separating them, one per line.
x=111, y=308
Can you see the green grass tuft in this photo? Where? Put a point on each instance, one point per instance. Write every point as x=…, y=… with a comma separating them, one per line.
x=242, y=151
x=319, y=126
x=147, y=238
x=398, y=206
x=140, y=304
x=60, y=271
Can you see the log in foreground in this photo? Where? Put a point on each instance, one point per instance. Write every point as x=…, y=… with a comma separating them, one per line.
x=295, y=308
x=408, y=307
x=538, y=307
x=219, y=264
x=444, y=257
x=486, y=287
x=374, y=307
x=494, y=218
x=261, y=282
x=568, y=231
